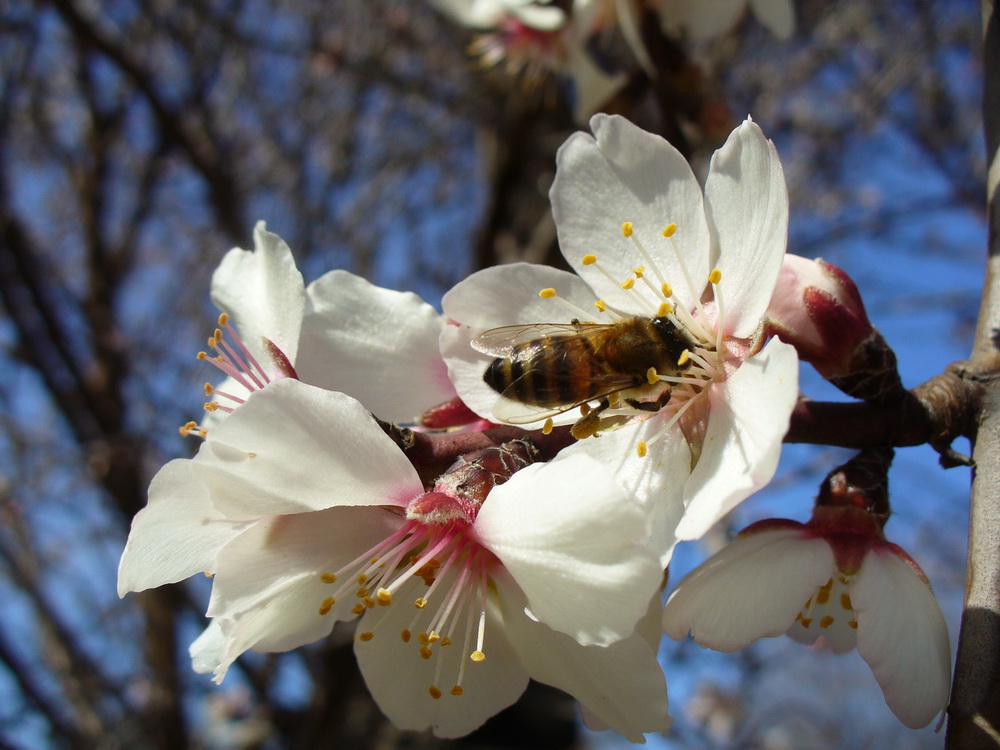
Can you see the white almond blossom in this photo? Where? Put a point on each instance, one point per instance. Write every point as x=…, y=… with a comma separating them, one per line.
x=533, y=39
x=704, y=19
x=836, y=579
x=340, y=332
x=644, y=240
x=306, y=513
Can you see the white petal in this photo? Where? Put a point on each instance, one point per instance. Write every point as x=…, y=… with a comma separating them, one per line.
x=777, y=15
x=263, y=292
x=399, y=678
x=903, y=637
x=293, y=448
x=621, y=684
x=286, y=552
x=502, y=296
x=622, y=174
x=655, y=481
x=748, y=420
x=376, y=345
x=208, y=652
x=752, y=589
x=747, y=203
x=179, y=533
x=575, y=545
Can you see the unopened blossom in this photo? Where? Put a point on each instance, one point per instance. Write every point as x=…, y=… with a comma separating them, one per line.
x=340, y=332
x=834, y=579
x=817, y=308
x=645, y=240
x=306, y=513
x=704, y=19
x=532, y=40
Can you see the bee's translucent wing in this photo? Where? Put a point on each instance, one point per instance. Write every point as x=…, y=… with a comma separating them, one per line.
x=500, y=342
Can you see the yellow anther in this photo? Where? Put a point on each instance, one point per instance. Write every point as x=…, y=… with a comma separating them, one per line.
x=423, y=638
x=826, y=622
x=362, y=579
x=547, y=427
x=425, y=652
x=669, y=229
x=639, y=271
x=457, y=690
x=369, y=602
x=328, y=578
x=601, y=305
x=651, y=377
x=326, y=606
x=446, y=641
x=665, y=308
x=211, y=406
x=715, y=277
x=843, y=579
x=435, y=693
x=217, y=335
x=209, y=389
x=683, y=359
x=547, y=293
x=853, y=624
x=362, y=593
x=584, y=410
x=589, y=259
x=613, y=399
x=420, y=603
x=845, y=602
x=642, y=449
x=628, y=284
x=209, y=575
x=823, y=595
x=384, y=597
x=405, y=635
x=366, y=636
x=806, y=621
x=434, y=637
x=627, y=228
x=358, y=608
x=477, y=656
x=668, y=291
x=434, y=563
x=201, y=356
x=223, y=319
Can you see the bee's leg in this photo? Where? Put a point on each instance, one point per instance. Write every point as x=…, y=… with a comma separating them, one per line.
x=652, y=406
x=590, y=423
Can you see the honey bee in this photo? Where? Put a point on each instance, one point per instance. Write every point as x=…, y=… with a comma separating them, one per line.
x=555, y=367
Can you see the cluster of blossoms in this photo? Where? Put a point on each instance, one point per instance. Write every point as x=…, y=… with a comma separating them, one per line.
x=581, y=40
x=510, y=564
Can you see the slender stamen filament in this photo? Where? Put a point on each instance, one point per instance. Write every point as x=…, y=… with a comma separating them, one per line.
x=577, y=312
x=247, y=355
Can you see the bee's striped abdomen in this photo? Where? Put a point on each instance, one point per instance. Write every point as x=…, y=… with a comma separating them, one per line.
x=548, y=371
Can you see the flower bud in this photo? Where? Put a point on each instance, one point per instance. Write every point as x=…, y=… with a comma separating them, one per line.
x=816, y=307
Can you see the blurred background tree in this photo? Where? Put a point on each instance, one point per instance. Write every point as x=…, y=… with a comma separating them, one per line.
x=140, y=140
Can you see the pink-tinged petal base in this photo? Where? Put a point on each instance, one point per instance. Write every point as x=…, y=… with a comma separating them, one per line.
x=752, y=589
x=903, y=637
